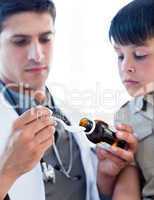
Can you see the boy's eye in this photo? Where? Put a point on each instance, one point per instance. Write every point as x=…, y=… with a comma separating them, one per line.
x=140, y=56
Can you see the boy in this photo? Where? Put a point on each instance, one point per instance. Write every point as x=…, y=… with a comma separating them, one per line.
x=132, y=35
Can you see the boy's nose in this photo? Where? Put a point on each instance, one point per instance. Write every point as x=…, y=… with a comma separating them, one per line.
x=128, y=66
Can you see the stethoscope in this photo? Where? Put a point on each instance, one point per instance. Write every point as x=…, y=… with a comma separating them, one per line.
x=48, y=172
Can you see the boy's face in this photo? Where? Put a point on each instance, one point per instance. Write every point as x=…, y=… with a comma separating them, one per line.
x=136, y=67
x=26, y=47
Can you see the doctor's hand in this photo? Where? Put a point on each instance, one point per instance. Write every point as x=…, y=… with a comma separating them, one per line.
x=114, y=159
x=32, y=134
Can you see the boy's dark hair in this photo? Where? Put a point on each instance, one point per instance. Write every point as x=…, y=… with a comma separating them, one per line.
x=134, y=23
x=10, y=7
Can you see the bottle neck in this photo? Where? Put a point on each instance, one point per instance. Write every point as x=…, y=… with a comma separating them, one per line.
x=101, y=133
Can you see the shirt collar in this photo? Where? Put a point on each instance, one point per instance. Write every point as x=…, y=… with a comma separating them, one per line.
x=137, y=104
x=143, y=103
x=150, y=98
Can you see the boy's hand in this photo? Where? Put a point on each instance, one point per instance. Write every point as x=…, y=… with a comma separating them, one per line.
x=113, y=160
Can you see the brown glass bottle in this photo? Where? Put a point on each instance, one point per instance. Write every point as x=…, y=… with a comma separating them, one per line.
x=98, y=131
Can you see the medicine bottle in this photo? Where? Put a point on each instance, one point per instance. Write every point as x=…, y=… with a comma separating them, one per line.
x=98, y=131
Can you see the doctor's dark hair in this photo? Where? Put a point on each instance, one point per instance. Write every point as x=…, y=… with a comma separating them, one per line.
x=133, y=24
x=11, y=7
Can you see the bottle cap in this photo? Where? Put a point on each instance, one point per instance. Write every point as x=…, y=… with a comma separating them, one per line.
x=88, y=124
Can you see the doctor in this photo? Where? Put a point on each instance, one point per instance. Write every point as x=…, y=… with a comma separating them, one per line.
x=26, y=49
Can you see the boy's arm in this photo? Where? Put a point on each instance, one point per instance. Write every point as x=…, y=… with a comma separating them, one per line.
x=127, y=185
x=114, y=160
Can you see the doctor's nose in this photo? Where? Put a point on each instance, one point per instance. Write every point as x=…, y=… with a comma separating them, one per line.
x=35, y=52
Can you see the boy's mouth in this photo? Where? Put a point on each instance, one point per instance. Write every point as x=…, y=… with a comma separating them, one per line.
x=130, y=82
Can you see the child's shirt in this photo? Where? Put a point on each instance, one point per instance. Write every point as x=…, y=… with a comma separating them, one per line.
x=139, y=113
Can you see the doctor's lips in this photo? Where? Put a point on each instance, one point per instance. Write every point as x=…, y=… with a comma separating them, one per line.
x=36, y=68
x=130, y=82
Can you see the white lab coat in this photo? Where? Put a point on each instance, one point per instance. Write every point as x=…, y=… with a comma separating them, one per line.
x=30, y=185
x=89, y=161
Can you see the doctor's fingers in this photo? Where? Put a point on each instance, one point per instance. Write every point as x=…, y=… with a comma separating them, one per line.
x=44, y=140
x=31, y=115
x=44, y=135
x=28, y=132
x=45, y=146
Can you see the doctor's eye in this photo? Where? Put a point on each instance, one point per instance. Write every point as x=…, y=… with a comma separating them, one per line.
x=20, y=42
x=46, y=38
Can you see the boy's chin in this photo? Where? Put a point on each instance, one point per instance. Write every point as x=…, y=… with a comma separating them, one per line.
x=141, y=91
x=133, y=93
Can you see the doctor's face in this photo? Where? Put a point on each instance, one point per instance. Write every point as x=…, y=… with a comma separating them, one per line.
x=26, y=47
